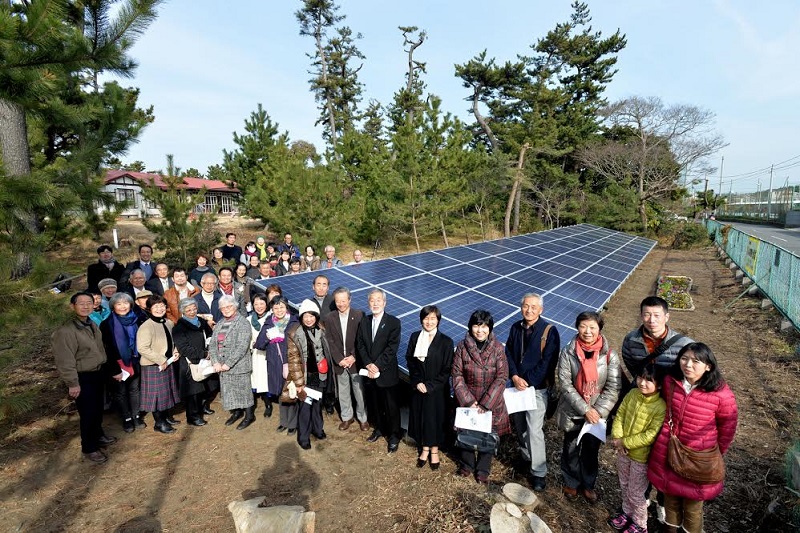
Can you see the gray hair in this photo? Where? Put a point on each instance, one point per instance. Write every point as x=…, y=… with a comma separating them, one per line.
x=330, y=247
x=342, y=290
x=378, y=291
x=227, y=300
x=120, y=297
x=137, y=271
x=186, y=302
x=210, y=276
x=532, y=295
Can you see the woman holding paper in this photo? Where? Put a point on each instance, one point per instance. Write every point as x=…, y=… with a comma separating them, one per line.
x=479, y=373
x=272, y=339
x=589, y=377
x=429, y=357
x=119, y=339
x=154, y=343
x=190, y=335
x=309, y=362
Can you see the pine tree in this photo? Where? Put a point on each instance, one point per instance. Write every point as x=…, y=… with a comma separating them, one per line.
x=182, y=231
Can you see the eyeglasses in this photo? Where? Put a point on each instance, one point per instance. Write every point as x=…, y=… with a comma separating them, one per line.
x=688, y=360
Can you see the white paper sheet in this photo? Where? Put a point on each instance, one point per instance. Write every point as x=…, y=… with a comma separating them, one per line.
x=469, y=418
x=125, y=375
x=520, y=400
x=313, y=394
x=597, y=430
x=365, y=372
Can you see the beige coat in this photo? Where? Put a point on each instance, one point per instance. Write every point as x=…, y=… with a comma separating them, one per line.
x=77, y=348
x=152, y=342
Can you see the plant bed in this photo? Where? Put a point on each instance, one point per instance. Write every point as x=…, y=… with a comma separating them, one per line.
x=675, y=290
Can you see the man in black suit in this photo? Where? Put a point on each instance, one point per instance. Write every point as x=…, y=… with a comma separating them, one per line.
x=341, y=329
x=143, y=263
x=321, y=296
x=377, y=345
x=105, y=267
x=160, y=281
x=136, y=283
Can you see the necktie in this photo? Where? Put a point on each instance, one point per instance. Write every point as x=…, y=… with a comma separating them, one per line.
x=375, y=327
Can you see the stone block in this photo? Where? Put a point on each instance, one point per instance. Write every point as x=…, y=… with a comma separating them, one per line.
x=739, y=274
x=766, y=303
x=753, y=290
x=520, y=495
x=501, y=521
x=786, y=325
x=537, y=524
x=250, y=518
x=746, y=282
x=733, y=266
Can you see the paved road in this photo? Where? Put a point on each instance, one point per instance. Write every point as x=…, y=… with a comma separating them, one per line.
x=788, y=239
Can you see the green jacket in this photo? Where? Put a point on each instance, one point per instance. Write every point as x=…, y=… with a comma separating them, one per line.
x=638, y=422
x=77, y=348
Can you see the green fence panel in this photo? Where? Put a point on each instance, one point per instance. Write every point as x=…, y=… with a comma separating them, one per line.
x=775, y=270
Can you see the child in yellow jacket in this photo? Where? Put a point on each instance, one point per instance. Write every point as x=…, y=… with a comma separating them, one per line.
x=634, y=431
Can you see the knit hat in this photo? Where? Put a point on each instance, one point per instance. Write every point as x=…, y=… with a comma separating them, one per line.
x=106, y=282
x=309, y=306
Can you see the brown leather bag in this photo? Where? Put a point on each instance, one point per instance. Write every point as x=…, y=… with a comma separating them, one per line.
x=700, y=466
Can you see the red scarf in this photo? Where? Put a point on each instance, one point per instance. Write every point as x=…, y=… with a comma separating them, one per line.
x=227, y=289
x=586, y=380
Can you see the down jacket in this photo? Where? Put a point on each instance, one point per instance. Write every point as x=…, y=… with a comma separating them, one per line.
x=297, y=357
x=701, y=420
x=638, y=422
x=634, y=351
x=571, y=405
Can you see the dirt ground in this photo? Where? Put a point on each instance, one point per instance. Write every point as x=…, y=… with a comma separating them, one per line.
x=184, y=482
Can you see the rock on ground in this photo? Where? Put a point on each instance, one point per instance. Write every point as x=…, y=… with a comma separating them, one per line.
x=537, y=524
x=520, y=495
x=501, y=521
x=250, y=518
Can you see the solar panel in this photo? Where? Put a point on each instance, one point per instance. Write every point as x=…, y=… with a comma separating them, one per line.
x=576, y=268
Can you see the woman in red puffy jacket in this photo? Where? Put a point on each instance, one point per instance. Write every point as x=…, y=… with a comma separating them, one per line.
x=703, y=413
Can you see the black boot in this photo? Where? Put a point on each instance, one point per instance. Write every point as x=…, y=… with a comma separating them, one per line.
x=207, y=410
x=236, y=414
x=194, y=411
x=161, y=425
x=171, y=420
x=249, y=417
x=267, y=406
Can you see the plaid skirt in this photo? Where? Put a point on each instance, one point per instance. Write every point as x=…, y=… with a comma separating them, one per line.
x=159, y=391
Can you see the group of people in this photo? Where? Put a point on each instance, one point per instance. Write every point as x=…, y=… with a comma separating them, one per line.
x=148, y=346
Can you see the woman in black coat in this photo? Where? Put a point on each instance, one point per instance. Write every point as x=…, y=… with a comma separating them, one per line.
x=189, y=335
x=429, y=357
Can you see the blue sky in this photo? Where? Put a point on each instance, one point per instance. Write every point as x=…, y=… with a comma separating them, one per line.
x=205, y=66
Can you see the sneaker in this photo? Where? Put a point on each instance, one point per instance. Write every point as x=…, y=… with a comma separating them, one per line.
x=619, y=521
x=634, y=528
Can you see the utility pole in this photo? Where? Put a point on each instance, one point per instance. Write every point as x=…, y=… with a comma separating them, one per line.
x=769, y=195
x=719, y=190
x=705, y=197
x=758, y=198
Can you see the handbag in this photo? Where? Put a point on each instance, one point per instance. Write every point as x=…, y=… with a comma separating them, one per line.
x=700, y=466
x=200, y=371
x=477, y=441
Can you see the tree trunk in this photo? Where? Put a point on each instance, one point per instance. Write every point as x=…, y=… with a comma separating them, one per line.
x=444, y=233
x=643, y=215
x=466, y=225
x=15, y=155
x=482, y=121
x=514, y=189
x=517, y=200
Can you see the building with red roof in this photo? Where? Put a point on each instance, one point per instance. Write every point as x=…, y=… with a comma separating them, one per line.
x=126, y=185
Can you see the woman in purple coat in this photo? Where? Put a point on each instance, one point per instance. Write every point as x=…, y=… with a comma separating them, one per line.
x=480, y=372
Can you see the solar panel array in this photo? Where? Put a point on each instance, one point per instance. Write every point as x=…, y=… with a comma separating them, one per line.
x=576, y=268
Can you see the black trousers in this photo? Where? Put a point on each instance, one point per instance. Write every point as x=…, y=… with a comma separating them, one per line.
x=579, y=462
x=483, y=465
x=194, y=406
x=126, y=393
x=90, y=409
x=309, y=421
x=382, y=404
